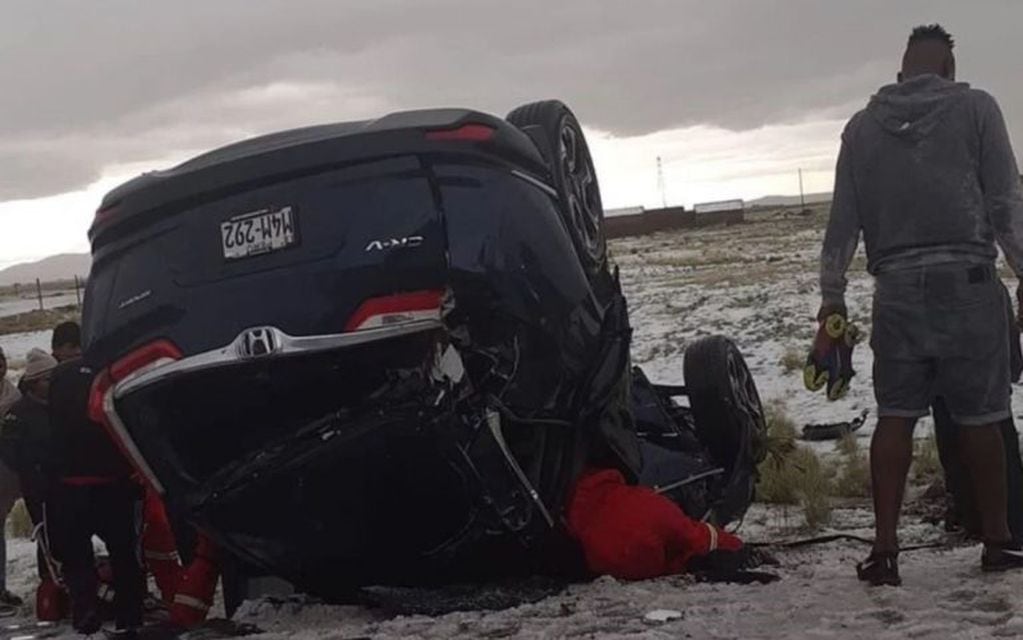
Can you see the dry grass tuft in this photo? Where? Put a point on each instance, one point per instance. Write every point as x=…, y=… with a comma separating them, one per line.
x=853, y=476
x=926, y=463
x=794, y=359
x=792, y=474
x=19, y=524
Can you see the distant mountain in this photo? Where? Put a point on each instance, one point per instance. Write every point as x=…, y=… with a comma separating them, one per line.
x=788, y=201
x=63, y=266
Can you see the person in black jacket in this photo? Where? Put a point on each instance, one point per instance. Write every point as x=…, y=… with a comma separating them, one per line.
x=93, y=494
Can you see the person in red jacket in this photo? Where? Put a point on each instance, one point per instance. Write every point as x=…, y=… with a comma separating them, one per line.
x=633, y=533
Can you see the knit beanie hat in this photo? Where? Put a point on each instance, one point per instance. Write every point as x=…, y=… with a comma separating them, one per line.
x=38, y=363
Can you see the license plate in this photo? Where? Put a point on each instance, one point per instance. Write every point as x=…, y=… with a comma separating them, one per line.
x=258, y=232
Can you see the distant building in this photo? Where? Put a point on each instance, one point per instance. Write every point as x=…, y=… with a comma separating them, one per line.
x=638, y=221
x=721, y=206
x=623, y=211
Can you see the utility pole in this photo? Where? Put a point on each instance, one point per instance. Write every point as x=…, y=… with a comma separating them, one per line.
x=660, y=183
x=802, y=198
x=39, y=292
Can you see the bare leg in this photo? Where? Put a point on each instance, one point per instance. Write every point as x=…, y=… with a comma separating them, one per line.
x=891, y=452
x=984, y=455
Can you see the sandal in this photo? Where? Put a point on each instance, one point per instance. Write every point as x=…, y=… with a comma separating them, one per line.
x=880, y=568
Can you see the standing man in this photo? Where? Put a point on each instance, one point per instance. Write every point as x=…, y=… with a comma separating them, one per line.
x=92, y=493
x=10, y=491
x=927, y=174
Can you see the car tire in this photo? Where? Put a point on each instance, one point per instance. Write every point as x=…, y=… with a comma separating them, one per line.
x=557, y=134
x=728, y=414
x=729, y=420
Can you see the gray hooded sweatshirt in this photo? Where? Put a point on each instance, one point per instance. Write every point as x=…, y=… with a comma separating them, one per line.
x=928, y=175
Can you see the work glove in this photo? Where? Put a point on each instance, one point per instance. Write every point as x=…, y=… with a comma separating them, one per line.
x=829, y=363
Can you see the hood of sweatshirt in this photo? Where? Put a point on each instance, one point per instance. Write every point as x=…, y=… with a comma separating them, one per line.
x=914, y=108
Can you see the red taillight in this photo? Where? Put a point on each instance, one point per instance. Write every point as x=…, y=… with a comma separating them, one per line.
x=159, y=350
x=100, y=386
x=469, y=132
x=396, y=309
x=101, y=401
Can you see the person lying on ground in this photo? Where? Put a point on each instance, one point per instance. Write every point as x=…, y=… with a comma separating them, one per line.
x=632, y=533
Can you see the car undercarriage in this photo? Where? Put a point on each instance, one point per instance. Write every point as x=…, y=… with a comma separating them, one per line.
x=478, y=362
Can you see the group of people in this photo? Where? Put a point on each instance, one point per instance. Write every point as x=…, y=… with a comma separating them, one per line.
x=74, y=482
x=77, y=484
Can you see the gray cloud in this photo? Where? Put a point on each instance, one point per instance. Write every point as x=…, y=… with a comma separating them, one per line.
x=90, y=84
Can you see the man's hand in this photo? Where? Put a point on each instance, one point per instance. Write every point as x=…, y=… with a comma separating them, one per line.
x=828, y=310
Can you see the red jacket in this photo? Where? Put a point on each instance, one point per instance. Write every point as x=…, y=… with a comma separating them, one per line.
x=633, y=533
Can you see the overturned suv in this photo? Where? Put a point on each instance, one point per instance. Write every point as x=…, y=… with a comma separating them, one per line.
x=382, y=352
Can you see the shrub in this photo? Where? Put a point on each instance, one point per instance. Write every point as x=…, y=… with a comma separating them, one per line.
x=792, y=474
x=792, y=360
x=19, y=524
x=926, y=463
x=853, y=478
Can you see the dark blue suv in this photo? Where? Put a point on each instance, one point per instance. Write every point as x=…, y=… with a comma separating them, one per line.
x=383, y=351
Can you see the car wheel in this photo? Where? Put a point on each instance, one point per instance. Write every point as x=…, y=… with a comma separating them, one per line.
x=728, y=414
x=557, y=134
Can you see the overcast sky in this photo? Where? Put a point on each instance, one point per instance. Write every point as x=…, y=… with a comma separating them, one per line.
x=735, y=95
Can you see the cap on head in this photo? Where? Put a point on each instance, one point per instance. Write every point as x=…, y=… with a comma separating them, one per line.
x=67, y=341
x=67, y=333
x=929, y=51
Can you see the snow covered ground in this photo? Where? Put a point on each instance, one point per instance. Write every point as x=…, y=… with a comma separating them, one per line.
x=757, y=284
x=944, y=596
x=17, y=345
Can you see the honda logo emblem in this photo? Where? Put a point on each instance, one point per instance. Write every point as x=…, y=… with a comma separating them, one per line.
x=255, y=343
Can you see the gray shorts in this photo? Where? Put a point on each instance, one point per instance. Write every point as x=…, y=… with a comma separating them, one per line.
x=942, y=331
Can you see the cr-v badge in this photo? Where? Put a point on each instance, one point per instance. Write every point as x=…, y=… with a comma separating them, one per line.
x=405, y=242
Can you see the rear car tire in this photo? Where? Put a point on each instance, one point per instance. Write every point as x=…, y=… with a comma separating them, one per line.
x=726, y=406
x=729, y=420
x=557, y=134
